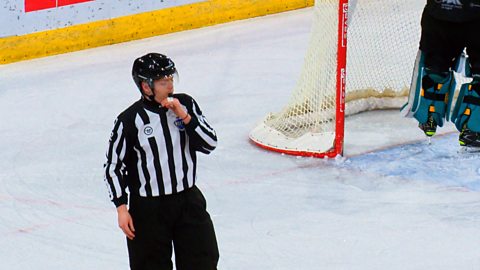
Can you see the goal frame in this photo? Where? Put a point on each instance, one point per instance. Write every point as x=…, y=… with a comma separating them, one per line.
x=341, y=79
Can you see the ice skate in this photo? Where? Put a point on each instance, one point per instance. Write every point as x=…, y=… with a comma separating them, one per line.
x=470, y=140
x=429, y=127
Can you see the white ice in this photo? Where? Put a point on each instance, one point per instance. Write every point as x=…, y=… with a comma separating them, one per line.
x=392, y=202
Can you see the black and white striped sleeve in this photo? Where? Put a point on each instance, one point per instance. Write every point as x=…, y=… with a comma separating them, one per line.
x=115, y=167
x=202, y=136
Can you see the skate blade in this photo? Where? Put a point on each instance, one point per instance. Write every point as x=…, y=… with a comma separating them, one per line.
x=469, y=150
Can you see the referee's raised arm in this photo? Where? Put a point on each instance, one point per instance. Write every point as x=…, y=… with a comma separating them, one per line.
x=203, y=137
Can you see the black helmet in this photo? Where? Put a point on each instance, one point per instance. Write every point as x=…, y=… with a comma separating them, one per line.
x=151, y=67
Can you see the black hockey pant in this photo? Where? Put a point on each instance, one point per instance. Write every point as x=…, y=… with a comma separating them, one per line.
x=443, y=41
x=180, y=219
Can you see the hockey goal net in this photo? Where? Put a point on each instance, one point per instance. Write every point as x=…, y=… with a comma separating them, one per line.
x=383, y=38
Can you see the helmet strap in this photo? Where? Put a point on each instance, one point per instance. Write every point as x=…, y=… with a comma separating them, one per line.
x=152, y=88
x=150, y=97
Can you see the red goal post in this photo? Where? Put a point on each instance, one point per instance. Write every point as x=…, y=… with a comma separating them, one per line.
x=341, y=80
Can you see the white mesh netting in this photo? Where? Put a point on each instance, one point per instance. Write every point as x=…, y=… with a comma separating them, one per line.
x=383, y=38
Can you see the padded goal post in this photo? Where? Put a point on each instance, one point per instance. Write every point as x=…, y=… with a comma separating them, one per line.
x=372, y=72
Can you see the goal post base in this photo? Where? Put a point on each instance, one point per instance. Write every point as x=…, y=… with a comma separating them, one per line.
x=308, y=145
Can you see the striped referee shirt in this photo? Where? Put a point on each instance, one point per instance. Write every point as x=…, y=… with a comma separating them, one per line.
x=153, y=153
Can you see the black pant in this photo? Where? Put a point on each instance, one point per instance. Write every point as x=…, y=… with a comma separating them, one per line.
x=181, y=219
x=443, y=41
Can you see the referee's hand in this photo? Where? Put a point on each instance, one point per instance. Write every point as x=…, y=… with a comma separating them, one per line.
x=175, y=105
x=125, y=221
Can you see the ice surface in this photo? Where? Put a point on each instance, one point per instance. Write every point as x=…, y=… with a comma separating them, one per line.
x=391, y=203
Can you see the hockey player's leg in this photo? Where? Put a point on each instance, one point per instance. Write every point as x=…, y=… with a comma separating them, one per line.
x=466, y=114
x=435, y=100
x=430, y=95
x=433, y=82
